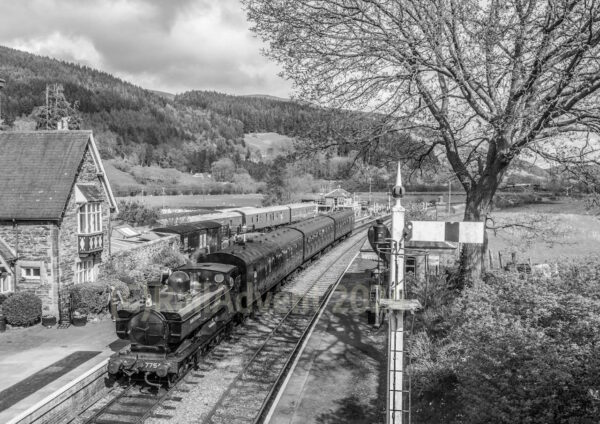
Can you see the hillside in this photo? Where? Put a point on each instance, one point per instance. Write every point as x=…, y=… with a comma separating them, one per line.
x=128, y=121
x=257, y=113
x=190, y=132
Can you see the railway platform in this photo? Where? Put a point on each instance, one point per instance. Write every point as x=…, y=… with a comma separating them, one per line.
x=340, y=376
x=36, y=362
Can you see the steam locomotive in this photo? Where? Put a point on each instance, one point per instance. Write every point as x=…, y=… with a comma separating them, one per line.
x=191, y=308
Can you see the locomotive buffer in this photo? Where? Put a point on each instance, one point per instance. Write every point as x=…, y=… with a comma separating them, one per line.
x=462, y=232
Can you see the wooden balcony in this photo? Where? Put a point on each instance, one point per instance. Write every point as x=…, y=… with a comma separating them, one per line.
x=91, y=243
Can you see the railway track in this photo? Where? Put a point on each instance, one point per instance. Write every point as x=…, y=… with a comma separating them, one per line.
x=249, y=397
x=274, y=335
x=132, y=405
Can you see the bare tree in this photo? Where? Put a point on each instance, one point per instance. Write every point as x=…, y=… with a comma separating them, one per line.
x=488, y=79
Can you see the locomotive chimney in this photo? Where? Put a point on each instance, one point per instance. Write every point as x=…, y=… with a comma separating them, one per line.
x=154, y=287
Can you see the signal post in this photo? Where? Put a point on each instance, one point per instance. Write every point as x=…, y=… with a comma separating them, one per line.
x=396, y=304
x=395, y=393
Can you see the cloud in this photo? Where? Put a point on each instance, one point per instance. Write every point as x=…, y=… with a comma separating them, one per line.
x=164, y=45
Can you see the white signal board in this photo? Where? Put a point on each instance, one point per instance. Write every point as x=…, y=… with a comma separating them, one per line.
x=461, y=232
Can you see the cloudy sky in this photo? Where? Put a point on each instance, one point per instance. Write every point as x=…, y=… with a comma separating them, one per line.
x=168, y=45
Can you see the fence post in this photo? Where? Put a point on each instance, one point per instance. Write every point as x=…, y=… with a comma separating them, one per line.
x=491, y=258
x=500, y=260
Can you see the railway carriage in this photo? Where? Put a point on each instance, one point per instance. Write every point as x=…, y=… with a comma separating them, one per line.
x=256, y=219
x=302, y=211
x=344, y=223
x=265, y=260
x=201, y=237
x=318, y=233
x=232, y=223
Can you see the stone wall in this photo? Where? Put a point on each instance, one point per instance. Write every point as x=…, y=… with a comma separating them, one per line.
x=32, y=244
x=140, y=256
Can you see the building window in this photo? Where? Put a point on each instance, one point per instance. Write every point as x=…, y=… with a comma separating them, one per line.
x=90, y=218
x=5, y=281
x=411, y=265
x=32, y=273
x=85, y=271
x=202, y=242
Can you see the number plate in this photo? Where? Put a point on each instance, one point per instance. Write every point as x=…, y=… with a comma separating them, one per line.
x=151, y=365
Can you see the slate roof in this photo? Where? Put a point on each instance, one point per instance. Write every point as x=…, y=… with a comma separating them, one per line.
x=37, y=172
x=338, y=192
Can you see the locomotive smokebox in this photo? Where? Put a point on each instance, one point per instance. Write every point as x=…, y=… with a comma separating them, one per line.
x=179, y=282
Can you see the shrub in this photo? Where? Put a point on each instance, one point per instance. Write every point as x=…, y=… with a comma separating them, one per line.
x=168, y=257
x=136, y=213
x=22, y=308
x=121, y=165
x=119, y=285
x=91, y=297
x=513, y=349
x=4, y=296
x=138, y=290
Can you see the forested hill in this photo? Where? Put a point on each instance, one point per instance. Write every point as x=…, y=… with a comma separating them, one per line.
x=143, y=126
x=257, y=113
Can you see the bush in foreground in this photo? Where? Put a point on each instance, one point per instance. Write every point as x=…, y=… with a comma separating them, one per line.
x=22, y=308
x=515, y=350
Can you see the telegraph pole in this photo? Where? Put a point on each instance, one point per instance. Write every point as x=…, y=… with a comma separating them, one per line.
x=395, y=394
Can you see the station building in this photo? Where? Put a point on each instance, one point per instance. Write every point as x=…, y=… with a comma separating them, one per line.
x=55, y=210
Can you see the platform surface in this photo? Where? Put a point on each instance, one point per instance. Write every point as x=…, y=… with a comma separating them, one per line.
x=37, y=361
x=341, y=374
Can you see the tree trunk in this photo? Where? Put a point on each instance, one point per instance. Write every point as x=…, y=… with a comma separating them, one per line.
x=472, y=256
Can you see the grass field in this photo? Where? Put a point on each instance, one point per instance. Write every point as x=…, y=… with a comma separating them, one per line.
x=151, y=179
x=546, y=232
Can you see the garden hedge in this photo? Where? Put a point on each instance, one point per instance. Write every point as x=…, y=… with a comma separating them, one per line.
x=22, y=308
x=93, y=297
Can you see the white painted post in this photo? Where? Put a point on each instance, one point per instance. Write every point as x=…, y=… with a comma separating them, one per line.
x=395, y=393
